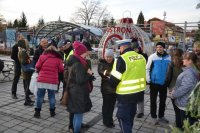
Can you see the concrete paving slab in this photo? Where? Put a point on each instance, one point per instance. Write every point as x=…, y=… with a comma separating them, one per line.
x=17, y=118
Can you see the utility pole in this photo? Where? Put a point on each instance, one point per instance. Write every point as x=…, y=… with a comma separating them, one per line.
x=164, y=14
x=184, y=34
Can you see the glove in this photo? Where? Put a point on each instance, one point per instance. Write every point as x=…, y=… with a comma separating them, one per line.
x=92, y=78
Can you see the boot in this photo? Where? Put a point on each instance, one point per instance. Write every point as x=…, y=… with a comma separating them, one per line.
x=37, y=113
x=29, y=100
x=28, y=103
x=52, y=112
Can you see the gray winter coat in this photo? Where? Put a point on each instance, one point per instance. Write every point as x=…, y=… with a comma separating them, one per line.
x=185, y=83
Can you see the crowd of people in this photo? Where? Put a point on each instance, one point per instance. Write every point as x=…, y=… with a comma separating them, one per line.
x=123, y=79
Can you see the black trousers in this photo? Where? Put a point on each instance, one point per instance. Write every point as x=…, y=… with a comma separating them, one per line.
x=71, y=117
x=154, y=90
x=17, y=73
x=108, y=106
x=177, y=114
x=26, y=88
x=183, y=116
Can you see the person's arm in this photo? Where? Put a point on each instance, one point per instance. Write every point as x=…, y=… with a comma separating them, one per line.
x=117, y=72
x=36, y=55
x=169, y=74
x=61, y=67
x=81, y=76
x=38, y=64
x=148, y=68
x=187, y=84
x=101, y=70
x=14, y=54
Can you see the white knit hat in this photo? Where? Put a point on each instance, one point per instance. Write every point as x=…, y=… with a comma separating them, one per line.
x=109, y=52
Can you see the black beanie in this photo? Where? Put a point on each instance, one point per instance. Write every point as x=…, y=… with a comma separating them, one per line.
x=161, y=43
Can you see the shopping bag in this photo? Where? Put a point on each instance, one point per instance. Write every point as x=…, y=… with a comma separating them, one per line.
x=64, y=99
x=33, y=84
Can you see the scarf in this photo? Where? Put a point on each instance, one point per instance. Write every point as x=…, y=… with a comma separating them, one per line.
x=81, y=59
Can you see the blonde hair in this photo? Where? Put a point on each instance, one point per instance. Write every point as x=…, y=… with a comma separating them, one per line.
x=51, y=48
x=197, y=44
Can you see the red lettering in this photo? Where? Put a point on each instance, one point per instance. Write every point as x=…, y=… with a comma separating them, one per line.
x=109, y=30
x=129, y=30
x=123, y=30
x=118, y=29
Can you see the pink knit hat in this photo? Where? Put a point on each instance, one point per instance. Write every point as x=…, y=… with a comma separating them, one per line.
x=79, y=48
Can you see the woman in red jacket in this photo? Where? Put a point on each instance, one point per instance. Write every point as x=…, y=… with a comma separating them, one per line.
x=49, y=65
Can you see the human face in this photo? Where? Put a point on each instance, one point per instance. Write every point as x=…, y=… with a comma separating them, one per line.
x=187, y=62
x=159, y=49
x=44, y=43
x=84, y=55
x=109, y=59
x=196, y=50
x=62, y=48
x=67, y=45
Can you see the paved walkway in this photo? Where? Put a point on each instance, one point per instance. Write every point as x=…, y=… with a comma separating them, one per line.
x=17, y=118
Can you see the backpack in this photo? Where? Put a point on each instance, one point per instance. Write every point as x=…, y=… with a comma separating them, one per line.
x=1, y=65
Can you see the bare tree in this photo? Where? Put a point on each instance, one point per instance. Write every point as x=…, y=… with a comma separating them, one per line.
x=41, y=22
x=91, y=12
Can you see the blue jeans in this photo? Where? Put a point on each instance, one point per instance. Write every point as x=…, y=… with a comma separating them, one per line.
x=40, y=98
x=125, y=115
x=78, y=118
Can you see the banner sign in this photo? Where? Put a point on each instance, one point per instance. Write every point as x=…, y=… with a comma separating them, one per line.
x=10, y=37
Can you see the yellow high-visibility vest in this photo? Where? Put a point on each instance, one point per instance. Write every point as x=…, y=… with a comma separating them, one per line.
x=70, y=53
x=133, y=80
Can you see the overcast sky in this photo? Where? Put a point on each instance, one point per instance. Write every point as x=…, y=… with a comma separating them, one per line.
x=50, y=10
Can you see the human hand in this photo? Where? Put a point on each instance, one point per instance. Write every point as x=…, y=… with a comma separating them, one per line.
x=89, y=71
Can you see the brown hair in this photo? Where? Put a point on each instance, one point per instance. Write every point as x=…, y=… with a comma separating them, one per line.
x=192, y=56
x=177, y=57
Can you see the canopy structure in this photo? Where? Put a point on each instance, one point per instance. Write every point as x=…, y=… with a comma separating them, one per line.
x=125, y=30
x=54, y=28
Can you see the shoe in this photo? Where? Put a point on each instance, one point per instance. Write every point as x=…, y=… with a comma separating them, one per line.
x=140, y=115
x=14, y=96
x=30, y=93
x=110, y=125
x=29, y=100
x=155, y=121
x=52, y=112
x=71, y=129
x=37, y=113
x=28, y=103
x=84, y=125
x=163, y=120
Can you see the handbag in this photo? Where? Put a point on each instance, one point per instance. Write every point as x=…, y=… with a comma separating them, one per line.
x=64, y=99
x=28, y=67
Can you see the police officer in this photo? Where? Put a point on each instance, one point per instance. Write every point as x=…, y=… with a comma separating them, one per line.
x=128, y=76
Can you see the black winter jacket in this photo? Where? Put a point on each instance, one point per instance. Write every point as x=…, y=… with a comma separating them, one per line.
x=37, y=54
x=106, y=87
x=14, y=55
x=79, y=100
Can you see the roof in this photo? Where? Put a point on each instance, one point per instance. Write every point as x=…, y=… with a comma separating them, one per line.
x=54, y=28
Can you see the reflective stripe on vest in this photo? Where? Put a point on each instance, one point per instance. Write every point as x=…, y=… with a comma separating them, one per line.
x=133, y=80
x=70, y=53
